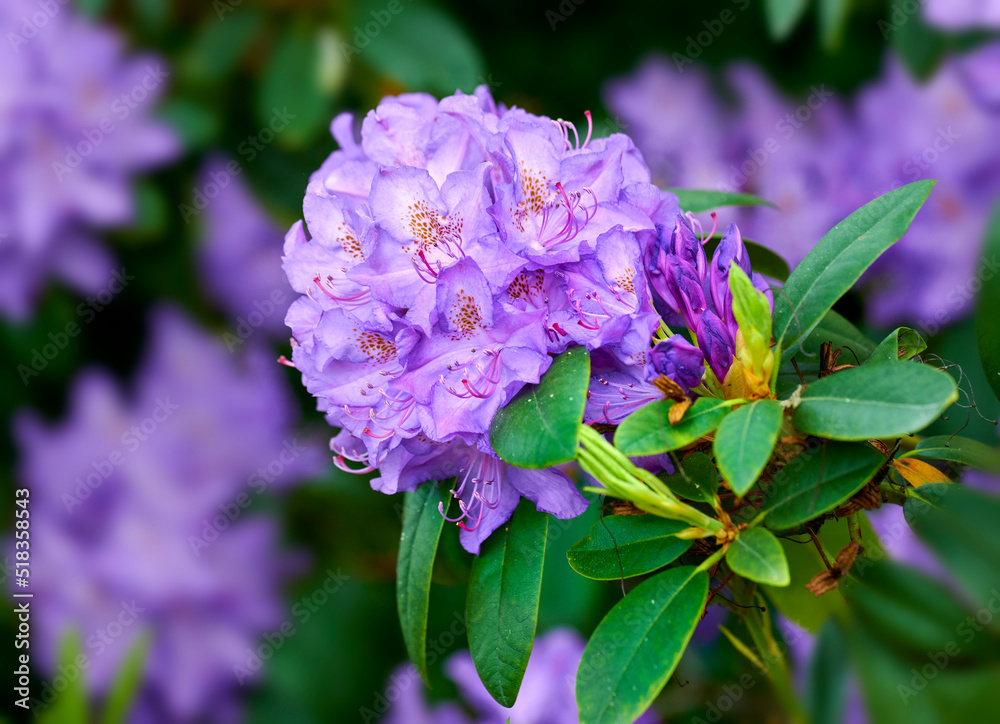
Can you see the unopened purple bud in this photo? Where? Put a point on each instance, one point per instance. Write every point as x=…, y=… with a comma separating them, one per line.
x=684, y=244
x=677, y=359
x=716, y=343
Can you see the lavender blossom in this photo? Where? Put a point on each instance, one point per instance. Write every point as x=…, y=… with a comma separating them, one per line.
x=448, y=254
x=547, y=696
x=239, y=247
x=75, y=122
x=138, y=523
x=963, y=14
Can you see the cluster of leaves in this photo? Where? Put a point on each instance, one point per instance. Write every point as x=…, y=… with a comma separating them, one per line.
x=830, y=440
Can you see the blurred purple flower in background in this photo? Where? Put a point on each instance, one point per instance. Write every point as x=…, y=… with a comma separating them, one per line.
x=962, y=14
x=547, y=696
x=137, y=503
x=239, y=247
x=75, y=127
x=820, y=160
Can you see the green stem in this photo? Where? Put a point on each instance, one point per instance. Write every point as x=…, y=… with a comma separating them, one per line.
x=854, y=528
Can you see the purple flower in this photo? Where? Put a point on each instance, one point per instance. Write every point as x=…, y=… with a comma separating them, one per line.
x=547, y=696
x=616, y=390
x=239, y=247
x=716, y=342
x=962, y=14
x=139, y=528
x=448, y=254
x=677, y=359
x=68, y=149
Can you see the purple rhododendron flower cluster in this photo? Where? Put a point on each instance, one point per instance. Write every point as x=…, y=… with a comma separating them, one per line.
x=547, y=696
x=75, y=126
x=139, y=525
x=449, y=253
x=236, y=256
x=823, y=158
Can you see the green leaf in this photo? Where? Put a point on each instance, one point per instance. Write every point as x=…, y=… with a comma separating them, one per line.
x=987, y=328
x=126, y=685
x=502, y=602
x=636, y=647
x=218, y=46
x=196, y=124
x=762, y=259
x=957, y=450
x=875, y=401
x=825, y=696
x=902, y=344
x=832, y=19
x=825, y=477
x=92, y=8
x=756, y=554
x=783, y=15
x=834, y=328
x=648, y=431
x=291, y=85
x=622, y=546
x=153, y=13
x=906, y=608
x=697, y=200
x=920, y=46
x=71, y=706
x=960, y=525
x=750, y=307
x=424, y=49
x=418, y=543
x=744, y=442
x=839, y=260
x=695, y=478
x=538, y=428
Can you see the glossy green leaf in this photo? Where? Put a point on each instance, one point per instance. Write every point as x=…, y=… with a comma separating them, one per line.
x=698, y=200
x=648, y=431
x=907, y=608
x=695, y=478
x=622, y=546
x=901, y=344
x=987, y=327
x=538, y=428
x=957, y=450
x=838, y=330
x=825, y=477
x=959, y=524
x=832, y=19
x=762, y=259
x=290, y=101
x=744, y=442
x=636, y=647
x=125, y=687
x=839, y=260
x=424, y=49
x=875, y=401
x=418, y=544
x=825, y=696
x=783, y=16
x=502, y=603
x=756, y=554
